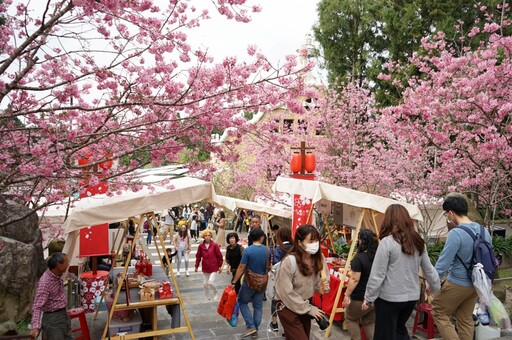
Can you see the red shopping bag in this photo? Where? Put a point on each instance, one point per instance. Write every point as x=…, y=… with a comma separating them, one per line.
x=227, y=302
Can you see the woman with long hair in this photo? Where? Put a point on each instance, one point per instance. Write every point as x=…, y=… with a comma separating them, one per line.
x=209, y=254
x=394, y=284
x=220, y=223
x=297, y=281
x=182, y=245
x=283, y=244
x=361, y=267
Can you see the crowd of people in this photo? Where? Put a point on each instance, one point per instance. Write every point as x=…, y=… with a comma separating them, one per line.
x=382, y=292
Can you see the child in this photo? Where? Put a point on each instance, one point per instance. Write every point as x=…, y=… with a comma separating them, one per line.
x=193, y=227
x=170, y=254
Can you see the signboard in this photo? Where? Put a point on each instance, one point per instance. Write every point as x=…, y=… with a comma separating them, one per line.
x=351, y=215
x=337, y=213
x=323, y=206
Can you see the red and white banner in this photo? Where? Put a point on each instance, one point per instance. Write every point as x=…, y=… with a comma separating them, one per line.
x=302, y=213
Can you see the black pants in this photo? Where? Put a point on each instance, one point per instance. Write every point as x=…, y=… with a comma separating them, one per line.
x=390, y=319
x=194, y=234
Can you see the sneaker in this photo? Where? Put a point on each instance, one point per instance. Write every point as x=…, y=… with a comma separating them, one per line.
x=215, y=296
x=249, y=332
x=255, y=335
x=178, y=274
x=187, y=273
x=274, y=327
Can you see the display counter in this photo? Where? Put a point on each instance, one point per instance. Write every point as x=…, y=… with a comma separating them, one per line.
x=148, y=308
x=326, y=301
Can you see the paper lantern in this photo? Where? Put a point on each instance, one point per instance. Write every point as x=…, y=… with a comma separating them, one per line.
x=296, y=163
x=310, y=162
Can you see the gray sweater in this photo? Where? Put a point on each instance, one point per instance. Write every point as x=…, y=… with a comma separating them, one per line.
x=395, y=275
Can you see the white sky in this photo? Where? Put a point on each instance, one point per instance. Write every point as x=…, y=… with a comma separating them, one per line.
x=278, y=30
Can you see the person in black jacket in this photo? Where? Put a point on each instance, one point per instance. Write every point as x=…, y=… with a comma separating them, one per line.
x=234, y=253
x=361, y=267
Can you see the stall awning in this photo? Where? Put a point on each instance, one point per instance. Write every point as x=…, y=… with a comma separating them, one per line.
x=269, y=208
x=109, y=209
x=317, y=191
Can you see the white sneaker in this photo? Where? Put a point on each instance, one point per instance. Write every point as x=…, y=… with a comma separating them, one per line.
x=187, y=273
x=178, y=274
x=215, y=296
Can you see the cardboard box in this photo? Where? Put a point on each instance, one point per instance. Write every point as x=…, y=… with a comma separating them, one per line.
x=119, y=327
x=147, y=294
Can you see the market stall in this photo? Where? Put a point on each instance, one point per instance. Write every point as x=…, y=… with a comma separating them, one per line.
x=356, y=210
x=267, y=210
x=136, y=206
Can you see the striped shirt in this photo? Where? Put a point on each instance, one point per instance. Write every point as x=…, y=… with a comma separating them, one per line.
x=50, y=297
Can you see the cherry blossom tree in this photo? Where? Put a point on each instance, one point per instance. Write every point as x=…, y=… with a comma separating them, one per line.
x=102, y=81
x=451, y=132
x=454, y=124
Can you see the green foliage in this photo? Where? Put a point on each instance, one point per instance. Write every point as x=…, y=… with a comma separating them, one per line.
x=342, y=249
x=502, y=245
x=23, y=327
x=434, y=250
x=249, y=114
x=189, y=155
x=359, y=37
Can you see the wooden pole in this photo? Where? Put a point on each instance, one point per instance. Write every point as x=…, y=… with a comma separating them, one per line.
x=335, y=308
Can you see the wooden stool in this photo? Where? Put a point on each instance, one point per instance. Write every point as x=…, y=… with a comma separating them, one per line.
x=83, y=329
x=427, y=323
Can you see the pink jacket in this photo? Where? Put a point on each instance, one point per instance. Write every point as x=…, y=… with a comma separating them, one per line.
x=212, y=257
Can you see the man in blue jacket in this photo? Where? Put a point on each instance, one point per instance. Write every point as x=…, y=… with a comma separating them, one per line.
x=457, y=296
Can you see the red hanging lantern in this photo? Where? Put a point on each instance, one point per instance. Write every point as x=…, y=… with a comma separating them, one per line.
x=310, y=162
x=296, y=163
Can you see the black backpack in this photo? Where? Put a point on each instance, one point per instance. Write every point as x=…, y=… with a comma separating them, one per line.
x=482, y=253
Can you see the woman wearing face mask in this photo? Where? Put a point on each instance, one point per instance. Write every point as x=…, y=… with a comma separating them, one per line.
x=296, y=286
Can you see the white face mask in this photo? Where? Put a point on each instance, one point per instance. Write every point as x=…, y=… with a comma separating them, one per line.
x=312, y=248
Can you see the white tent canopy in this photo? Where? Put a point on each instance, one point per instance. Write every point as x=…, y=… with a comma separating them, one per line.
x=317, y=191
x=269, y=208
x=109, y=209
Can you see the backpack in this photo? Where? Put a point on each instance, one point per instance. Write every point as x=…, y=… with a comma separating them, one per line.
x=293, y=265
x=482, y=253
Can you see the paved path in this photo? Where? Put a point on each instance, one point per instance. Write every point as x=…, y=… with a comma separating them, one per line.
x=205, y=321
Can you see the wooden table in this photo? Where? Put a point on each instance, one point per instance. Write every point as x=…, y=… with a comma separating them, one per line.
x=135, y=303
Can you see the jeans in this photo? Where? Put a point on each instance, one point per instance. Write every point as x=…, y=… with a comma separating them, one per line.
x=182, y=254
x=246, y=295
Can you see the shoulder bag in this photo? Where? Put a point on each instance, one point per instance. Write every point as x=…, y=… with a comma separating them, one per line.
x=256, y=281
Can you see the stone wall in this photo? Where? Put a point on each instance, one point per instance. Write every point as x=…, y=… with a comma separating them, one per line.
x=21, y=256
